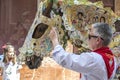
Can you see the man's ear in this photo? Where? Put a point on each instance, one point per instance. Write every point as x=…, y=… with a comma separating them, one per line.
x=98, y=40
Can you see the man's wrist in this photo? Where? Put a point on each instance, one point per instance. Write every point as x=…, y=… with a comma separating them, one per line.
x=55, y=43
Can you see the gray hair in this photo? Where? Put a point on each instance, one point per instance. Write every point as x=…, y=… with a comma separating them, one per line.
x=104, y=31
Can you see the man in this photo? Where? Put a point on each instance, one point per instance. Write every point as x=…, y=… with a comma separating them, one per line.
x=100, y=64
x=1, y=59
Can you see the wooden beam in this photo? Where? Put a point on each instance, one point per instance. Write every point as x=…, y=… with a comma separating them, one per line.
x=117, y=7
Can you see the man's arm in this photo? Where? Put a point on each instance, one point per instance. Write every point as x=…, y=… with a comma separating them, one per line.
x=83, y=63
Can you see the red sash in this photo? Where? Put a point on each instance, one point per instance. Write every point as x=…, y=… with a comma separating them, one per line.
x=108, y=58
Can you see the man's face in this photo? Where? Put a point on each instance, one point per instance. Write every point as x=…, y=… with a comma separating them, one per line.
x=94, y=40
x=91, y=41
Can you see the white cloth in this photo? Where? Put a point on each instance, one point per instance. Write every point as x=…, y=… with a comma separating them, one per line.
x=10, y=71
x=90, y=64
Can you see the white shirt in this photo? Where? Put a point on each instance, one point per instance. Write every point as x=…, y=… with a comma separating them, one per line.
x=90, y=64
x=10, y=71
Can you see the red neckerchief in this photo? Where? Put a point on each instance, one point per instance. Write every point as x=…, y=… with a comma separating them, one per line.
x=108, y=57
